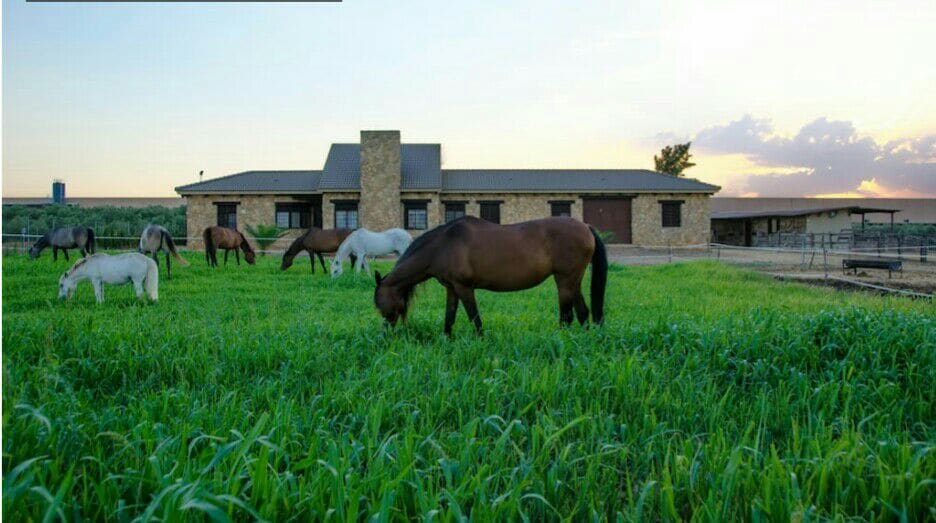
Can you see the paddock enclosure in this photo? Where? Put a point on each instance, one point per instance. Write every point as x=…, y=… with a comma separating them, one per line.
x=711, y=392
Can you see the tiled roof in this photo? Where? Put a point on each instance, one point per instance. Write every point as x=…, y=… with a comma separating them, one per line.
x=421, y=170
x=258, y=181
x=568, y=180
x=420, y=163
x=732, y=215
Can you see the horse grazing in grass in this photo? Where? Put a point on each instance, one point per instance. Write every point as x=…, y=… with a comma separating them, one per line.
x=315, y=241
x=156, y=238
x=115, y=270
x=81, y=238
x=471, y=253
x=362, y=243
x=217, y=237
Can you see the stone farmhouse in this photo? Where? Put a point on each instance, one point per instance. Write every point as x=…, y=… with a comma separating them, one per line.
x=381, y=183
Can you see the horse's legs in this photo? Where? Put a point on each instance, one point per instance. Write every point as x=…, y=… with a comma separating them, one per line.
x=312, y=259
x=237, y=255
x=467, y=297
x=321, y=261
x=156, y=257
x=66, y=253
x=54, y=253
x=581, y=310
x=168, y=267
x=138, y=287
x=568, y=289
x=451, y=309
x=82, y=252
x=98, y=290
x=226, y=252
x=353, y=258
x=360, y=264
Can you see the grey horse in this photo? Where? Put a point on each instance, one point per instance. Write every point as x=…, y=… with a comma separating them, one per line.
x=64, y=238
x=156, y=238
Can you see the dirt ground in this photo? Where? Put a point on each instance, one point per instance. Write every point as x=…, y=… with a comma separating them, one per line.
x=810, y=267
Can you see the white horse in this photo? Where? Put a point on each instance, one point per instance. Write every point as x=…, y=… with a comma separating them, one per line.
x=115, y=270
x=363, y=243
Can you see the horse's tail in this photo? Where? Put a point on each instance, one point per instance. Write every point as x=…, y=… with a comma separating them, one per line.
x=151, y=281
x=167, y=239
x=92, y=244
x=209, y=244
x=599, y=278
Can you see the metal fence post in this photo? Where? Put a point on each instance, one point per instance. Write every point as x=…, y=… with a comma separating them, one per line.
x=825, y=262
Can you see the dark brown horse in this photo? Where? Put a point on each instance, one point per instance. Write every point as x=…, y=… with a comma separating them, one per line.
x=315, y=241
x=471, y=253
x=218, y=237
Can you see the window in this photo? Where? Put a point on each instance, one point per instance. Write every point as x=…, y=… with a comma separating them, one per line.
x=415, y=215
x=227, y=215
x=490, y=211
x=672, y=215
x=346, y=215
x=561, y=208
x=454, y=211
x=293, y=215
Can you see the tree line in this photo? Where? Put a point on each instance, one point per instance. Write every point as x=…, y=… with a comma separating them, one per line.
x=106, y=221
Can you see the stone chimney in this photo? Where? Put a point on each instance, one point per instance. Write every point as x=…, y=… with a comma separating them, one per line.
x=380, y=206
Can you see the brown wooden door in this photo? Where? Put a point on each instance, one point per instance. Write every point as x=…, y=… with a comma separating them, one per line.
x=610, y=215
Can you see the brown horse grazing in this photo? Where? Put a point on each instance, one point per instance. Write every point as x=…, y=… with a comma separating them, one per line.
x=218, y=237
x=315, y=241
x=471, y=253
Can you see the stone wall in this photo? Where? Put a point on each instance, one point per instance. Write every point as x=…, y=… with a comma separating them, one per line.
x=328, y=206
x=647, y=220
x=827, y=223
x=252, y=210
x=380, y=207
x=515, y=207
x=434, y=210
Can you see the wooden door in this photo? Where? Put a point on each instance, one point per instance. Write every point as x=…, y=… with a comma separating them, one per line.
x=610, y=215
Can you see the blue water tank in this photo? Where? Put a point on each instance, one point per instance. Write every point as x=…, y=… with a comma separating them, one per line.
x=58, y=192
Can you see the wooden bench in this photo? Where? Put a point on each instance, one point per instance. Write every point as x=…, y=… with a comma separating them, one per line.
x=889, y=265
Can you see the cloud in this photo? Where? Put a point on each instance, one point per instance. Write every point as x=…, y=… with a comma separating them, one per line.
x=825, y=157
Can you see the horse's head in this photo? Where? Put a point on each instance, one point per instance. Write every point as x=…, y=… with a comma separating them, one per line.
x=287, y=262
x=37, y=247
x=335, y=267
x=390, y=301
x=249, y=256
x=66, y=286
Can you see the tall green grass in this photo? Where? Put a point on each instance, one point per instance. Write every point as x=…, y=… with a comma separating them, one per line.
x=712, y=393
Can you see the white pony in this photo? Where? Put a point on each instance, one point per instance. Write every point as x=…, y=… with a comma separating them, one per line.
x=115, y=270
x=363, y=243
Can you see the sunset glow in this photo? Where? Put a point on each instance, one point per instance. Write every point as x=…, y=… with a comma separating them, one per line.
x=780, y=99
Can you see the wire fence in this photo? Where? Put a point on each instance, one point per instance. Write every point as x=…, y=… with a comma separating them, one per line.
x=20, y=243
x=917, y=273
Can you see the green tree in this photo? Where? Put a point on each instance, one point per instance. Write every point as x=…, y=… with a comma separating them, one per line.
x=265, y=235
x=674, y=159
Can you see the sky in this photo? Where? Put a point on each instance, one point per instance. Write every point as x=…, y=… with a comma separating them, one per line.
x=779, y=98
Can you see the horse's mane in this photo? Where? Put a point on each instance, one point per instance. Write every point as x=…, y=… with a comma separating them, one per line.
x=296, y=245
x=425, y=239
x=244, y=243
x=78, y=264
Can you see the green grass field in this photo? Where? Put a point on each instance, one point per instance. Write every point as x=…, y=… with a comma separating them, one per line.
x=711, y=393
